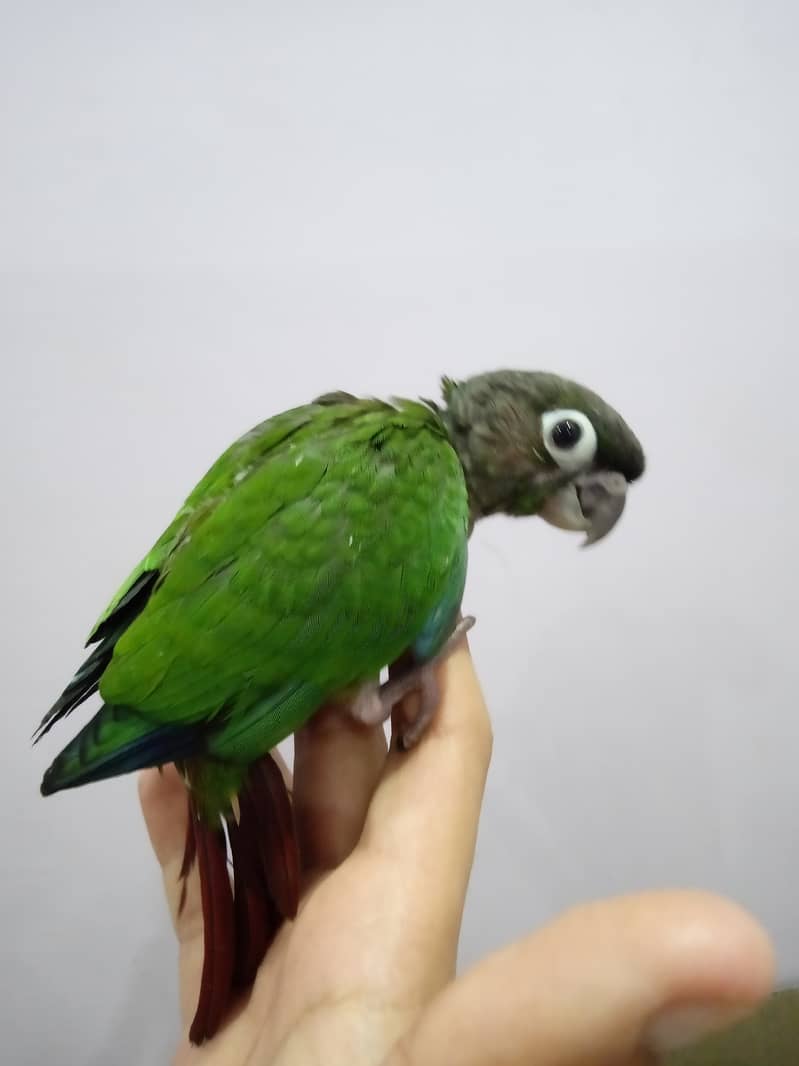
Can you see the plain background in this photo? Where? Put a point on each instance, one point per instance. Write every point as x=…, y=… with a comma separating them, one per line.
x=211, y=212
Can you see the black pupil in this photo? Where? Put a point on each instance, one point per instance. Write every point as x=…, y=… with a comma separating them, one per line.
x=565, y=434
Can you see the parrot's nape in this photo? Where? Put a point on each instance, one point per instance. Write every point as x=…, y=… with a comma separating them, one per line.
x=327, y=543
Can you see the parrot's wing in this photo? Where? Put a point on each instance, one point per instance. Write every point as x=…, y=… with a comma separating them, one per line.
x=130, y=600
x=232, y=466
x=316, y=569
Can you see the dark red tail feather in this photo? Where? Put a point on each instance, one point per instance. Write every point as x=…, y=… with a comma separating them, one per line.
x=266, y=799
x=239, y=926
x=256, y=917
x=217, y=901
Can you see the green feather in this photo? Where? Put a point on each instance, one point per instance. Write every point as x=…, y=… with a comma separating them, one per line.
x=323, y=545
x=311, y=555
x=242, y=456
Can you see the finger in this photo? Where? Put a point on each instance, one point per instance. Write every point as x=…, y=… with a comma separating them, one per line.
x=608, y=984
x=337, y=764
x=426, y=810
x=164, y=803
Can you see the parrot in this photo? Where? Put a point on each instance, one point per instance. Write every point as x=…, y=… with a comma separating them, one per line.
x=322, y=547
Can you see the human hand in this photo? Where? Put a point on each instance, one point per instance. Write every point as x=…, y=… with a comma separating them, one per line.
x=365, y=976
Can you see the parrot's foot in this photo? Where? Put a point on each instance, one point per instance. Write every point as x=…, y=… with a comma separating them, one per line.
x=374, y=702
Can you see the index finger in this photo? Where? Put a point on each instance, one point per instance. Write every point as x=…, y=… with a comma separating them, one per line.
x=426, y=809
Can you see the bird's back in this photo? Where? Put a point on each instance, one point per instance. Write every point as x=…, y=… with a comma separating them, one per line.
x=320, y=562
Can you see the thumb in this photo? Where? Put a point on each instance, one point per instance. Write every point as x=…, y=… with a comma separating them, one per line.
x=609, y=984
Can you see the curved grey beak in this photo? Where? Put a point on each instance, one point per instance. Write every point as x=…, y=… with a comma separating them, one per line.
x=593, y=502
x=602, y=496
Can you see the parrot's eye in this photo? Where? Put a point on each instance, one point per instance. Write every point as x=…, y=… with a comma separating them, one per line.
x=565, y=434
x=570, y=438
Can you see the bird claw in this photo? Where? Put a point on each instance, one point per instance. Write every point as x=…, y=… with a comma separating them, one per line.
x=374, y=703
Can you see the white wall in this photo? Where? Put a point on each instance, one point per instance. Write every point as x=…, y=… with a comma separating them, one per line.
x=206, y=217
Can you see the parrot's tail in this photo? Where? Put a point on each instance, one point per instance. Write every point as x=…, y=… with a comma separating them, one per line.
x=240, y=921
x=118, y=740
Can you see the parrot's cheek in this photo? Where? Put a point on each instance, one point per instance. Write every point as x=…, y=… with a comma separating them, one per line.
x=564, y=511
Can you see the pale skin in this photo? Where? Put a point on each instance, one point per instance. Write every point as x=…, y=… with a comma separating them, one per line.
x=366, y=974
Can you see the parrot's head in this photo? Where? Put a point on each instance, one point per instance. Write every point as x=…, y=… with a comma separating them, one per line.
x=534, y=443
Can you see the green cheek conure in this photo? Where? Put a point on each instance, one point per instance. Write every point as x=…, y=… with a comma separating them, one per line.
x=327, y=543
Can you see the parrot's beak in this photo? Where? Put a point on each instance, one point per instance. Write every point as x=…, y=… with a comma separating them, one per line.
x=592, y=503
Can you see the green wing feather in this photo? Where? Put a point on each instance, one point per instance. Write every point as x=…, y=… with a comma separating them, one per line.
x=242, y=456
x=313, y=553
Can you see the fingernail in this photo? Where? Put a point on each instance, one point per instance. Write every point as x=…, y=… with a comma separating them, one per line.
x=680, y=1027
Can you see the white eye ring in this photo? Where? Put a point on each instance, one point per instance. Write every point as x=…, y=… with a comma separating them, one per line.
x=572, y=445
